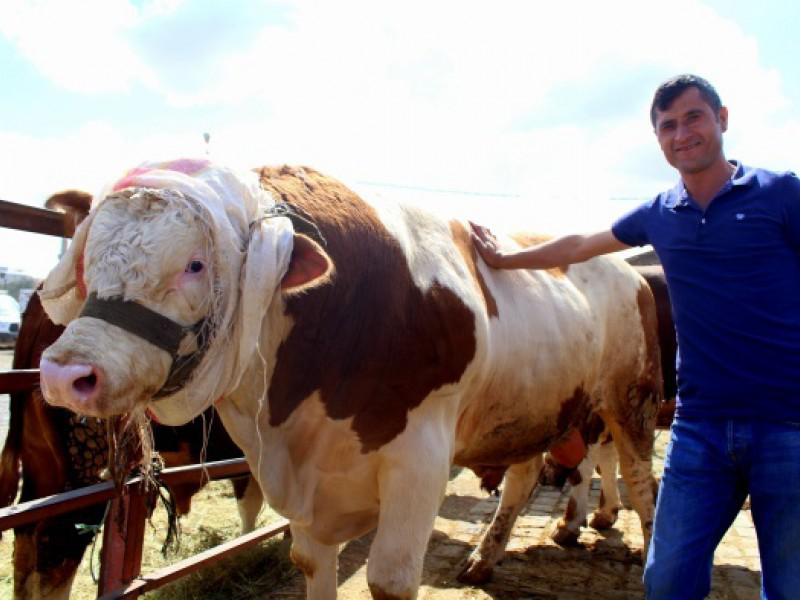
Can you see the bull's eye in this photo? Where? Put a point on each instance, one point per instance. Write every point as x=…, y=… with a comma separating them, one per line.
x=196, y=266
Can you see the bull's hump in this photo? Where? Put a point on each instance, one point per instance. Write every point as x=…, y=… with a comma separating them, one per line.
x=372, y=341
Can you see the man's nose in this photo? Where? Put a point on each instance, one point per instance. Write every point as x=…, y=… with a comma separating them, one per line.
x=682, y=132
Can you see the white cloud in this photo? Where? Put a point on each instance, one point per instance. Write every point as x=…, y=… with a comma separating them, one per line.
x=548, y=101
x=79, y=46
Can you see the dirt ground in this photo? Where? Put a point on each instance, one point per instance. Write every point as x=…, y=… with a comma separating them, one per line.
x=607, y=565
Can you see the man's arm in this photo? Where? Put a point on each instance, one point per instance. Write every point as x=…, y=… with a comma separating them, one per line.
x=554, y=253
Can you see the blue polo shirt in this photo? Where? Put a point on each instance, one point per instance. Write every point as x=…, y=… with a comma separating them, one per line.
x=733, y=273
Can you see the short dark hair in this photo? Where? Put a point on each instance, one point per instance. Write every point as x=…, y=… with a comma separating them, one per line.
x=674, y=86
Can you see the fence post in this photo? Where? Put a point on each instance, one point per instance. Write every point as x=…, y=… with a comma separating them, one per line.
x=123, y=539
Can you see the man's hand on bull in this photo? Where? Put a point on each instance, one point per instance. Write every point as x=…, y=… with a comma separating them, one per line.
x=487, y=247
x=554, y=253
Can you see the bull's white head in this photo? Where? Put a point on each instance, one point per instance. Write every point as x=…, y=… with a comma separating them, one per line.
x=182, y=272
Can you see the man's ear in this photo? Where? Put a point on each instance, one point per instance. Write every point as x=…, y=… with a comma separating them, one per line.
x=723, y=118
x=309, y=266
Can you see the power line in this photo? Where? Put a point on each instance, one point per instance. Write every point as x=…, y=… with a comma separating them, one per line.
x=437, y=190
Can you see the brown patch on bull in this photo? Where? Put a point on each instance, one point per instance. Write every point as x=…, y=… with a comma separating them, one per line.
x=578, y=412
x=370, y=340
x=467, y=249
x=526, y=240
x=574, y=411
x=306, y=565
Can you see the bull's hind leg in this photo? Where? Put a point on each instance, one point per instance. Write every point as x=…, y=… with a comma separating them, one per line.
x=610, y=504
x=634, y=442
x=317, y=562
x=519, y=482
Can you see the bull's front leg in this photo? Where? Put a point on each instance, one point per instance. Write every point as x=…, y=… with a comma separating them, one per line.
x=411, y=484
x=519, y=482
x=249, y=501
x=318, y=563
x=569, y=526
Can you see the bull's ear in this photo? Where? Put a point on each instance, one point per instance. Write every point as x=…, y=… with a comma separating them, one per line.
x=276, y=257
x=63, y=291
x=309, y=266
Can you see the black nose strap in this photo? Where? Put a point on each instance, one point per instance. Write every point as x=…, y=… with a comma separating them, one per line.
x=138, y=320
x=155, y=328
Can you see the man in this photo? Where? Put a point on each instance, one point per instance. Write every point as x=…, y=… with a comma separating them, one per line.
x=728, y=238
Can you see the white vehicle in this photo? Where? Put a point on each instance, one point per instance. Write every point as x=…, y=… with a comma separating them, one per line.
x=9, y=318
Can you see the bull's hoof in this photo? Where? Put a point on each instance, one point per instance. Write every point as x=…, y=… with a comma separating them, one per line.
x=566, y=538
x=601, y=521
x=476, y=572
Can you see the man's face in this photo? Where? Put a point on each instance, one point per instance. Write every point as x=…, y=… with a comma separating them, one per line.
x=690, y=134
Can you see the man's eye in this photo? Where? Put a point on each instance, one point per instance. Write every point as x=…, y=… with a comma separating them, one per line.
x=196, y=266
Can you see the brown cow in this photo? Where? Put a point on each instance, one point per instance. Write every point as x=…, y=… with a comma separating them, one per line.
x=667, y=338
x=361, y=348
x=58, y=450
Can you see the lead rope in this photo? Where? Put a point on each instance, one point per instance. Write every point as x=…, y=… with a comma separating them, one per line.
x=173, y=537
x=95, y=530
x=301, y=220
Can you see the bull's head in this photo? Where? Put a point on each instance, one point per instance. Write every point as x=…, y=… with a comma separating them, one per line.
x=165, y=291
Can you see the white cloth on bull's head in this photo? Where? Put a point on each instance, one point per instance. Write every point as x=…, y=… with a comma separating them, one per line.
x=252, y=256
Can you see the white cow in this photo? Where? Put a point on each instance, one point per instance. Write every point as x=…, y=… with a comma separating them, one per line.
x=359, y=349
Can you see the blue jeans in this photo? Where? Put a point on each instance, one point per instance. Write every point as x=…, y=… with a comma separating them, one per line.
x=710, y=468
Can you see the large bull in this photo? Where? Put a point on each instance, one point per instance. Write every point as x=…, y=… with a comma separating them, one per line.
x=361, y=348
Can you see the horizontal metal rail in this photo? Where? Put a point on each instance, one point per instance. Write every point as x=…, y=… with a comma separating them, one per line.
x=58, y=504
x=161, y=577
x=35, y=220
x=19, y=380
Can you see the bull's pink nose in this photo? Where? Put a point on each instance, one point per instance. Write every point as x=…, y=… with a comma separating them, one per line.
x=75, y=386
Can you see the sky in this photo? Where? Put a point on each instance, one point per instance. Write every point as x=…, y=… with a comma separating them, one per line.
x=526, y=114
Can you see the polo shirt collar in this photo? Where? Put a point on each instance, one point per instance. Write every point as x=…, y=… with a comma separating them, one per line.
x=679, y=196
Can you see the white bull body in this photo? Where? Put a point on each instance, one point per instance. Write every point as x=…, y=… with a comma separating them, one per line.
x=353, y=376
